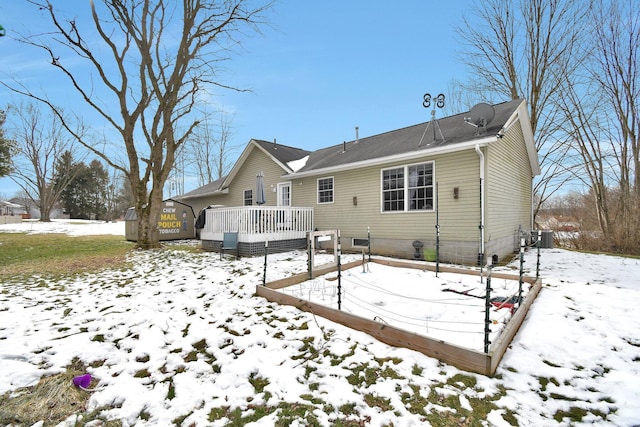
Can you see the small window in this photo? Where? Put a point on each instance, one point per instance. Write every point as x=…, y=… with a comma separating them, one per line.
x=248, y=197
x=325, y=190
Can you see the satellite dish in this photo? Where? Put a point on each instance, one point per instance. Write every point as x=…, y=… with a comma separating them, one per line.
x=481, y=115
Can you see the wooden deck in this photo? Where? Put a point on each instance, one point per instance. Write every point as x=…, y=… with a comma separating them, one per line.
x=284, y=228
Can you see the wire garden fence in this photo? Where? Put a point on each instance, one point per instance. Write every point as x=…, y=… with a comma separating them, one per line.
x=461, y=316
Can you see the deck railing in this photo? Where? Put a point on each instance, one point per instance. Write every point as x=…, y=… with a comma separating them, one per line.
x=258, y=223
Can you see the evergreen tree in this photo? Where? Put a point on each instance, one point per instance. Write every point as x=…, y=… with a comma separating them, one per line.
x=69, y=172
x=96, y=187
x=85, y=197
x=6, y=148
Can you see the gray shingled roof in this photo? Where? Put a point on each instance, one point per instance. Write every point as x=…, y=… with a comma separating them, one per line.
x=408, y=139
x=205, y=190
x=283, y=153
x=417, y=138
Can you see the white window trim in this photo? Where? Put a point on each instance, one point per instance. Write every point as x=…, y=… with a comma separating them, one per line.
x=244, y=198
x=279, y=193
x=406, y=188
x=333, y=191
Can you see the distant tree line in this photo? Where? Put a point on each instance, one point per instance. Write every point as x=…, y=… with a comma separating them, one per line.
x=578, y=207
x=43, y=159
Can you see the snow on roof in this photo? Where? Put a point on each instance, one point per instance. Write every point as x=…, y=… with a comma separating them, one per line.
x=296, y=165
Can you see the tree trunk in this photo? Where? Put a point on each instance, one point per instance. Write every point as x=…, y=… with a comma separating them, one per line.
x=148, y=215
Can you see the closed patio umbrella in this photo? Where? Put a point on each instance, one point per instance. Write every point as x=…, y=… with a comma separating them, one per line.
x=260, y=196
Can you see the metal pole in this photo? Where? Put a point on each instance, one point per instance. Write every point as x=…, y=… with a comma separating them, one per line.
x=522, y=246
x=487, y=319
x=369, y=242
x=538, y=262
x=339, y=275
x=266, y=248
x=309, y=257
x=437, y=233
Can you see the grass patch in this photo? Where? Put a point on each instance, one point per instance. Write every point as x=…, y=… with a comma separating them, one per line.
x=365, y=375
x=467, y=380
x=448, y=408
x=288, y=413
x=574, y=414
x=52, y=400
x=59, y=255
x=258, y=382
x=378, y=401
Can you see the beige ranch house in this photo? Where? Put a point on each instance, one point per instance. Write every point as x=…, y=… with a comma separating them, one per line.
x=468, y=176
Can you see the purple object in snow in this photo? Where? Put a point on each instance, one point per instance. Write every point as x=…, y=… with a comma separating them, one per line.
x=82, y=381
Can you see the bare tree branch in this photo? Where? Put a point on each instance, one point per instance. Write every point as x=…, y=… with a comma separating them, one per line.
x=159, y=56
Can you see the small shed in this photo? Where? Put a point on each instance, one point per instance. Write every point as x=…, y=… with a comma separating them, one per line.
x=177, y=222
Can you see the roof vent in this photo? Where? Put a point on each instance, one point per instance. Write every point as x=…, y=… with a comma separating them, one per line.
x=357, y=138
x=275, y=144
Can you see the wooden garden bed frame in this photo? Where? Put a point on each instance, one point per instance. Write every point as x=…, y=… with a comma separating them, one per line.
x=460, y=357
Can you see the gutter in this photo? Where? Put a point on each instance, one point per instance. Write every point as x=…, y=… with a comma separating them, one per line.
x=482, y=197
x=210, y=193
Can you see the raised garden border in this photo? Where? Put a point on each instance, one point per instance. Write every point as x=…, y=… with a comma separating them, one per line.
x=460, y=357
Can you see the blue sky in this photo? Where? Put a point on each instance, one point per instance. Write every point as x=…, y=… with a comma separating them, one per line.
x=321, y=69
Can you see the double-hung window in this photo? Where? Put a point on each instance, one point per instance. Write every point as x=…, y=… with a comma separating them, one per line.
x=408, y=188
x=325, y=190
x=393, y=190
x=421, y=186
x=248, y=197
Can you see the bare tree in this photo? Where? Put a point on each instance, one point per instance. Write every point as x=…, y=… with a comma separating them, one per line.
x=519, y=49
x=153, y=59
x=584, y=137
x=210, y=148
x=601, y=116
x=613, y=73
x=617, y=39
x=41, y=142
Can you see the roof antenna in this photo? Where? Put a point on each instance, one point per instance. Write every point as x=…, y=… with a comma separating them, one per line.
x=480, y=116
x=438, y=101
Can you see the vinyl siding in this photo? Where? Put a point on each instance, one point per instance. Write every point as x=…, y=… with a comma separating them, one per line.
x=508, y=186
x=459, y=218
x=357, y=198
x=245, y=179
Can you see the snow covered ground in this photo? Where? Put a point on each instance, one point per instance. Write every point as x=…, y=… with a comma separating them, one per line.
x=178, y=337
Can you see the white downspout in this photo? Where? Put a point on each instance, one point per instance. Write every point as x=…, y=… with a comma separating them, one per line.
x=482, y=197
